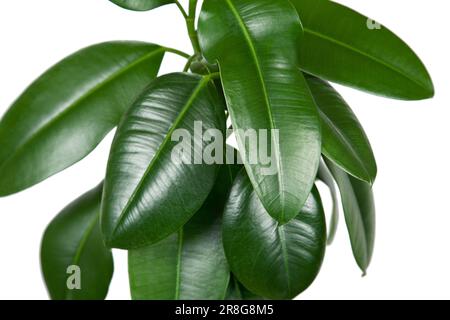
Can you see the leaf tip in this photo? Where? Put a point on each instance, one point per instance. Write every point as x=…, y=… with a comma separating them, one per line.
x=428, y=91
x=330, y=241
x=431, y=91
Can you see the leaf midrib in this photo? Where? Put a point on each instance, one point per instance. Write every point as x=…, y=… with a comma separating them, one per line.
x=178, y=267
x=84, y=238
x=370, y=57
x=38, y=131
x=203, y=82
x=284, y=253
x=254, y=55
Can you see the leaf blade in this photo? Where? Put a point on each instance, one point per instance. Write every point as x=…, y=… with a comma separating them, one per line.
x=277, y=262
x=148, y=196
x=236, y=291
x=326, y=177
x=349, y=52
x=278, y=100
x=73, y=238
x=141, y=5
x=359, y=212
x=66, y=112
x=191, y=264
x=343, y=138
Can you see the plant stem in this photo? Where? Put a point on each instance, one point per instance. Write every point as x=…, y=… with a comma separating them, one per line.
x=178, y=52
x=214, y=75
x=190, y=23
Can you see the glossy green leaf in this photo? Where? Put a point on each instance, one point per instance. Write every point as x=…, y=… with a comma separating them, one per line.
x=273, y=261
x=148, y=194
x=325, y=176
x=73, y=240
x=343, y=138
x=191, y=263
x=359, y=212
x=65, y=113
x=344, y=46
x=237, y=291
x=255, y=45
x=141, y=5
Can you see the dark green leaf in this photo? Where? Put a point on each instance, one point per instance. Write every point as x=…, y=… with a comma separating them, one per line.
x=141, y=5
x=343, y=46
x=359, y=212
x=148, y=195
x=255, y=45
x=189, y=264
x=65, y=113
x=73, y=238
x=343, y=137
x=325, y=176
x=277, y=262
x=236, y=291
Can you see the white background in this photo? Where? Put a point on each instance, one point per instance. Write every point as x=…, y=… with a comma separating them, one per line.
x=410, y=140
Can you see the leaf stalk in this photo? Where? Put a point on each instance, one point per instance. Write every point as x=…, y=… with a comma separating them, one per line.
x=178, y=52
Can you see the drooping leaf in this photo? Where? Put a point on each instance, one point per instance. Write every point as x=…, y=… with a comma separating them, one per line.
x=325, y=176
x=75, y=263
x=343, y=138
x=359, y=212
x=344, y=46
x=65, y=113
x=237, y=291
x=255, y=45
x=141, y=5
x=151, y=189
x=191, y=263
x=273, y=261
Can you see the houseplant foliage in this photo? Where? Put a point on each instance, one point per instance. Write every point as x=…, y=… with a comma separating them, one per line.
x=211, y=230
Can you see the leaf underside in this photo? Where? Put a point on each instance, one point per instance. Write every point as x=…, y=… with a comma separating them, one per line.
x=359, y=212
x=326, y=177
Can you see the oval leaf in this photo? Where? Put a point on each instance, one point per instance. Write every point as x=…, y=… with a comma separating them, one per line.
x=359, y=212
x=343, y=138
x=273, y=261
x=325, y=176
x=190, y=264
x=148, y=194
x=65, y=113
x=141, y=5
x=75, y=262
x=255, y=44
x=344, y=46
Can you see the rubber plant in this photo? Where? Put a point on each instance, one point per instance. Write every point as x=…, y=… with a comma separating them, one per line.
x=211, y=230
